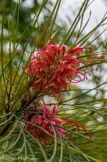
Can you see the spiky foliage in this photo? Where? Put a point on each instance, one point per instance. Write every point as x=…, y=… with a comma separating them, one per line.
x=18, y=99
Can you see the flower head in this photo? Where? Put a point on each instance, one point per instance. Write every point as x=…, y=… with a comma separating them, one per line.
x=46, y=120
x=53, y=64
x=78, y=51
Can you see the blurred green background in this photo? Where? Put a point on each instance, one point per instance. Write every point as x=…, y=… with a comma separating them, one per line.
x=89, y=109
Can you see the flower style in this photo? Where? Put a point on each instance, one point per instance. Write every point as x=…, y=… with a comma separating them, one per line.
x=42, y=121
x=53, y=69
x=95, y=59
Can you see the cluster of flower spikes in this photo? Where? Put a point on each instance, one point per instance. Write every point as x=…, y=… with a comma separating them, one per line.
x=53, y=64
x=41, y=121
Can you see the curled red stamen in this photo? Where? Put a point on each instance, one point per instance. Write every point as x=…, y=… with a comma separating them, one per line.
x=34, y=41
x=23, y=51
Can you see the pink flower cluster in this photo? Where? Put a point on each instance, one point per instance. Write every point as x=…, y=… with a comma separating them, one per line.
x=59, y=68
x=53, y=69
x=43, y=123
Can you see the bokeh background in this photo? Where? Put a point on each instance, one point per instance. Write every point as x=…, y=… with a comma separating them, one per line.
x=91, y=108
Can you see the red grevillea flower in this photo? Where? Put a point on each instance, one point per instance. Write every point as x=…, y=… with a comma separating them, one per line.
x=43, y=123
x=53, y=64
x=97, y=58
x=78, y=51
